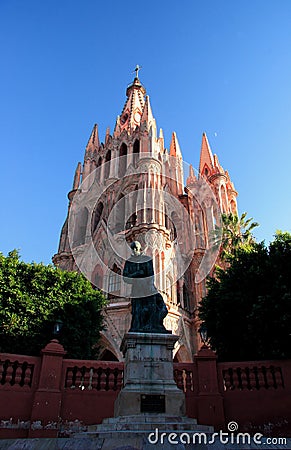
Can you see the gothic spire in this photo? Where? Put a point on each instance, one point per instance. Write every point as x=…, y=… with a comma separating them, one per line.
x=191, y=179
x=93, y=142
x=77, y=176
x=174, y=146
x=161, y=141
x=147, y=115
x=206, y=157
x=132, y=111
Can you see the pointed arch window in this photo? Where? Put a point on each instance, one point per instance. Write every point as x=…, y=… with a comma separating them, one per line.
x=187, y=294
x=200, y=229
x=122, y=160
x=99, y=162
x=114, y=282
x=173, y=225
x=167, y=219
x=97, y=216
x=136, y=150
x=107, y=165
x=120, y=208
x=131, y=221
x=170, y=287
x=150, y=139
x=178, y=294
x=80, y=227
x=97, y=277
x=186, y=298
x=206, y=170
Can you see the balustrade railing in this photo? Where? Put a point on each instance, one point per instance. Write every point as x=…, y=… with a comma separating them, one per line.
x=98, y=378
x=16, y=373
x=184, y=377
x=252, y=377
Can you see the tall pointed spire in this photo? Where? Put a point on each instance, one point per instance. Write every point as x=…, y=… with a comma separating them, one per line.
x=161, y=141
x=191, y=179
x=107, y=136
x=117, y=128
x=132, y=111
x=174, y=146
x=147, y=115
x=77, y=176
x=93, y=142
x=206, y=157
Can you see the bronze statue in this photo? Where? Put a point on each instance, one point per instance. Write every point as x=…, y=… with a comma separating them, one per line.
x=148, y=308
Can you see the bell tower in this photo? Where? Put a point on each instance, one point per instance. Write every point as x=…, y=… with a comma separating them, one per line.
x=133, y=188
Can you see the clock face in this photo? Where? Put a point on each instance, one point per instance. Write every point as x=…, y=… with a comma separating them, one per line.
x=137, y=117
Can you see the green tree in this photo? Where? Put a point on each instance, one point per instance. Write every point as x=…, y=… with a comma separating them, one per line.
x=33, y=296
x=236, y=234
x=247, y=310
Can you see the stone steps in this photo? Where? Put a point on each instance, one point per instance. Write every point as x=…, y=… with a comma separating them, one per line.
x=143, y=423
x=151, y=418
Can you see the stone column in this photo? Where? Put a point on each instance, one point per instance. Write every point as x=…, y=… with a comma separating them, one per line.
x=47, y=400
x=210, y=400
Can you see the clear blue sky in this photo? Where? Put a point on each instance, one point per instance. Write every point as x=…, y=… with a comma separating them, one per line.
x=223, y=67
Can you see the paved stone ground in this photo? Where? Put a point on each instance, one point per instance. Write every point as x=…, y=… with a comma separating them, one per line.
x=137, y=432
x=121, y=441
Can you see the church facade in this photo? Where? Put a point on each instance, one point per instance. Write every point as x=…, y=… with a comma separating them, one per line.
x=132, y=188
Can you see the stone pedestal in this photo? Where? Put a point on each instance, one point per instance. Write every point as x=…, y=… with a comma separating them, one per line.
x=149, y=385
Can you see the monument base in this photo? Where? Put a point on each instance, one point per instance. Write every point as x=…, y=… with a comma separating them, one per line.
x=149, y=385
x=150, y=408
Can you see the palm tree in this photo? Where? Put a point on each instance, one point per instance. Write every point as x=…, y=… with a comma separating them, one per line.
x=235, y=234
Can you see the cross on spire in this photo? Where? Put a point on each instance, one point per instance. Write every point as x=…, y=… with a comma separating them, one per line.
x=137, y=68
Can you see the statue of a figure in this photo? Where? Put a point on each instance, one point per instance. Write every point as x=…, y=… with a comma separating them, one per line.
x=148, y=308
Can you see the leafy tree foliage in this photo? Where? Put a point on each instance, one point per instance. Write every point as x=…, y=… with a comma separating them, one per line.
x=247, y=310
x=236, y=234
x=34, y=296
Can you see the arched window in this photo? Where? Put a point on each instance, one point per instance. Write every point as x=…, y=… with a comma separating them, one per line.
x=107, y=164
x=167, y=218
x=186, y=299
x=114, y=281
x=131, y=221
x=170, y=288
x=80, y=227
x=122, y=160
x=119, y=214
x=174, y=225
x=136, y=149
x=99, y=161
x=97, y=278
x=97, y=216
x=178, y=294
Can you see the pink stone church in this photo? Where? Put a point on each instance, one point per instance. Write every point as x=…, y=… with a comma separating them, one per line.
x=133, y=188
